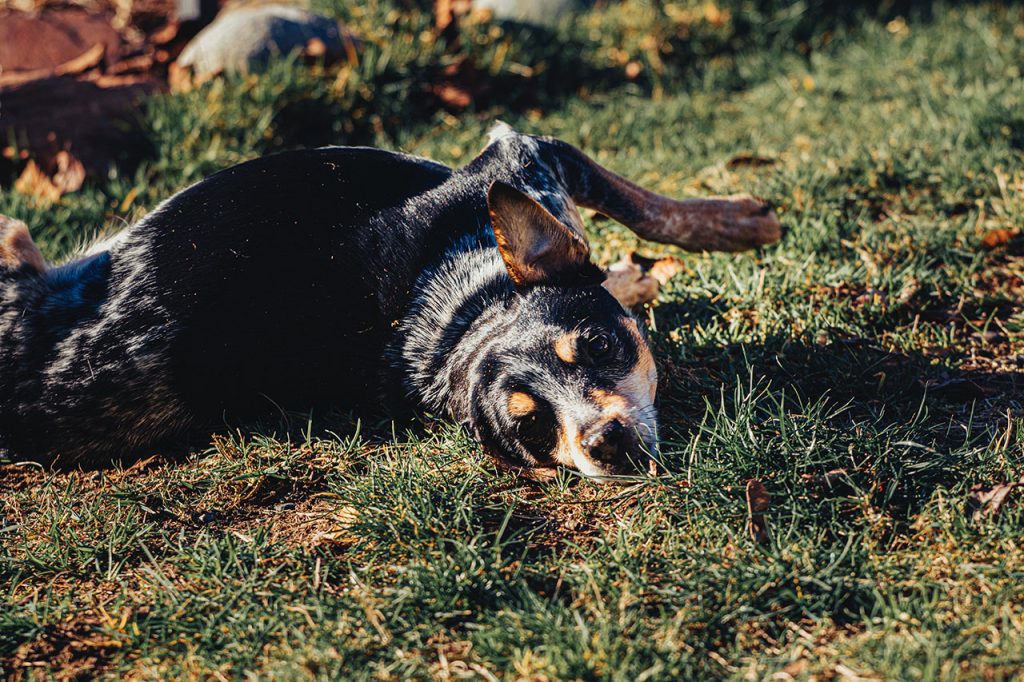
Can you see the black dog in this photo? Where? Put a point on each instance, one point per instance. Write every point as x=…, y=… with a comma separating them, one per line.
x=348, y=276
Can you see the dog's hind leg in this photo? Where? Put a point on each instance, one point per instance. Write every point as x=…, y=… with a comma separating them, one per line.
x=17, y=250
x=733, y=223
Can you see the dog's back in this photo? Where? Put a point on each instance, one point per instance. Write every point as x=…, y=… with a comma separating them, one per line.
x=213, y=305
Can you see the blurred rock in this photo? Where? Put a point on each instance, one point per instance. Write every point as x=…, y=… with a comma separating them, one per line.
x=545, y=13
x=243, y=40
x=39, y=43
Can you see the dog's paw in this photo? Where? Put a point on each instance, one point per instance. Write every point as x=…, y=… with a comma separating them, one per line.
x=738, y=223
x=17, y=250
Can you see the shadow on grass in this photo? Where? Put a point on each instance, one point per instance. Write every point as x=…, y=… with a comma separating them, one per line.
x=912, y=421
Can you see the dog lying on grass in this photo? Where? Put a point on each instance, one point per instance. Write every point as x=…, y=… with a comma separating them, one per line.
x=353, y=276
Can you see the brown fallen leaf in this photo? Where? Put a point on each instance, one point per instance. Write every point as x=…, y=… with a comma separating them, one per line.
x=987, y=502
x=993, y=239
x=67, y=175
x=183, y=79
x=758, y=501
x=635, y=279
x=322, y=528
x=33, y=182
x=796, y=668
x=661, y=269
x=179, y=78
x=70, y=173
x=83, y=62
x=452, y=95
x=831, y=482
x=142, y=63
x=749, y=160
x=55, y=37
x=448, y=11
x=443, y=14
x=76, y=66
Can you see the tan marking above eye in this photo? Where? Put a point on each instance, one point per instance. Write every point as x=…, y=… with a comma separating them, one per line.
x=521, y=404
x=565, y=347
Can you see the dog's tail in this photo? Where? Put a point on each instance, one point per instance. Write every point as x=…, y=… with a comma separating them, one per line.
x=18, y=253
x=732, y=223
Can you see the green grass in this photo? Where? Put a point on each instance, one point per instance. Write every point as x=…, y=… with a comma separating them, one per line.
x=879, y=341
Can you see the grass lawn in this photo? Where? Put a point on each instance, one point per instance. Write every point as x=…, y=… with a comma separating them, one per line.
x=867, y=370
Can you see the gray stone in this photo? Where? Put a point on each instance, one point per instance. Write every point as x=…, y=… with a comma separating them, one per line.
x=244, y=39
x=546, y=13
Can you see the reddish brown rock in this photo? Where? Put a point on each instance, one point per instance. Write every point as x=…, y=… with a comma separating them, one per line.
x=42, y=42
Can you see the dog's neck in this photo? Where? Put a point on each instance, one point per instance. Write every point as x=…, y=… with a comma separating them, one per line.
x=457, y=309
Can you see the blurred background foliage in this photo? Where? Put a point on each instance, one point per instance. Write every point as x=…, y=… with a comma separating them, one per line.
x=409, y=82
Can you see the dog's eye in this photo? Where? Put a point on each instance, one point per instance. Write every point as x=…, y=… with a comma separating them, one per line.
x=599, y=347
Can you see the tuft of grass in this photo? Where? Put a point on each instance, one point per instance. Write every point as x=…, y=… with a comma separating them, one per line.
x=866, y=369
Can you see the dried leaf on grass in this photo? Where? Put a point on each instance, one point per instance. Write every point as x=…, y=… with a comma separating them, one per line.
x=750, y=160
x=448, y=11
x=83, y=62
x=993, y=239
x=988, y=501
x=452, y=95
x=35, y=183
x=459, y=83
x=635, y=280
x=831, y=482
x=67, y=176
x=758, y=501
x=316, y=523
x=64, y=86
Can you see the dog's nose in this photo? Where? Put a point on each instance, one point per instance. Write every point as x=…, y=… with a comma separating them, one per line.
x=607, y=442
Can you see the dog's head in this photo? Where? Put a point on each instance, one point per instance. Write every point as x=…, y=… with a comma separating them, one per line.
x=571, y=380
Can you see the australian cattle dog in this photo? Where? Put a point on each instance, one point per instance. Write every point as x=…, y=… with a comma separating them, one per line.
x=353, y=276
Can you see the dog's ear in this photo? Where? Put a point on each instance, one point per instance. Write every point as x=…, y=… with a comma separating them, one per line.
x=17, y=250
x=536, y=247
